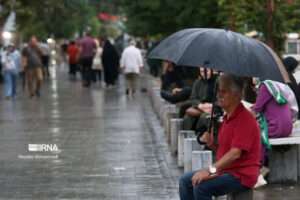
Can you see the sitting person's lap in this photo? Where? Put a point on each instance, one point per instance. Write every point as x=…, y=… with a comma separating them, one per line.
x=218, y=186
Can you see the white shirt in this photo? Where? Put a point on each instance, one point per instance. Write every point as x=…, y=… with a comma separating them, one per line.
x=131, y=60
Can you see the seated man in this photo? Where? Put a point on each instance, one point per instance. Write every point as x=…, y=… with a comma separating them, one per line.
x=238, y=150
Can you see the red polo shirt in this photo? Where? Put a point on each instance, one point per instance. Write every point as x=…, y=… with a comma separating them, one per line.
x=241, y=131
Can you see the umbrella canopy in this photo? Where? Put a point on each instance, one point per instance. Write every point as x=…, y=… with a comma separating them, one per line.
x=222, y=50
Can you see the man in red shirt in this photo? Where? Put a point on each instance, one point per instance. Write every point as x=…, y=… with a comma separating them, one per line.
x=238, y=150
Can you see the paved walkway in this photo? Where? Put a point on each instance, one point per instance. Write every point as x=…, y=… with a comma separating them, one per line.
x=109, y=147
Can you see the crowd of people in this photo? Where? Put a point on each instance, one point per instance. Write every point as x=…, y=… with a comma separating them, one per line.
x=269, y=108
x=96, y=59
x=30, y=63
x=92, y=56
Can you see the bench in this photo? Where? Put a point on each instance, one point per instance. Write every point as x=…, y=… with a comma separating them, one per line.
x=201, y=159
x=170, y=112
x=183, y=134
x=283, y=160
x=175, y=127
x=189, y=145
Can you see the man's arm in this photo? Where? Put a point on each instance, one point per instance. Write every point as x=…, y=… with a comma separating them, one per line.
x=202, y=175
x=232, y=155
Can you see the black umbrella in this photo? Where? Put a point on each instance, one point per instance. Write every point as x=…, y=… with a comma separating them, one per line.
x=222, y=50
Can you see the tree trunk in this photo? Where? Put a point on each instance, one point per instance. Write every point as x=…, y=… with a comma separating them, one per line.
x=269, y=34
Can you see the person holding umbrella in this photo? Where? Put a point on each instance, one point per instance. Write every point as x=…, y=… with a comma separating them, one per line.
x=238, y=151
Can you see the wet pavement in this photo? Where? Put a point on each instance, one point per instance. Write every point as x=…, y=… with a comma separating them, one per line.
x=99, y=144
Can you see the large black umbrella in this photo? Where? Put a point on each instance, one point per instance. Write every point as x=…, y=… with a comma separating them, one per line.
x=222, y=50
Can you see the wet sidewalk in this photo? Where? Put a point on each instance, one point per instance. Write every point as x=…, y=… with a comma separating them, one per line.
x=107, y=147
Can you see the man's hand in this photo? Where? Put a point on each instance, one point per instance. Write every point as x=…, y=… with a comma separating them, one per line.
x=200, y=176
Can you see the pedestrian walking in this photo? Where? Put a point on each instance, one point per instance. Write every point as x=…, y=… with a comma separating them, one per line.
x=73, y=54
x=87, y=47
x=131, y=63
x=110, y=61
x=97, y=62
x=45, y=49
x=33, y=67
x=10, y=60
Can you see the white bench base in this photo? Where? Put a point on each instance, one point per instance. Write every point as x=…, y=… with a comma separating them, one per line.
x=283, y=160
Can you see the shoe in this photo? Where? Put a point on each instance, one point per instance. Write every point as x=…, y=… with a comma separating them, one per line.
x=260, y=181
x=127, y=91
x=7, y=98
x=264, y=171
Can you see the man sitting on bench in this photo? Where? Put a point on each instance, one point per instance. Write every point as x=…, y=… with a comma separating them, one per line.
x=238, y=150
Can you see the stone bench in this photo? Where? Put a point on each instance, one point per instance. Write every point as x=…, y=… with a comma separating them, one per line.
x=170, y=112
x=189, y=145
x=283, y=160
x=183, y=134
x=175, y=127
x=201, y=159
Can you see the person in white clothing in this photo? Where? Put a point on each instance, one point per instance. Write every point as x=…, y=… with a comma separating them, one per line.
x=131, y=63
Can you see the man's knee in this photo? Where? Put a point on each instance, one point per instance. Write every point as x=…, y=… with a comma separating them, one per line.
x=186, y=179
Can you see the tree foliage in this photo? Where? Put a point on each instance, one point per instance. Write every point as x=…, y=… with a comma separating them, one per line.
x=153, y=17
x=58, y=18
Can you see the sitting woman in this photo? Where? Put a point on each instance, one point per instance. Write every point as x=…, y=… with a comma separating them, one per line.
x=277, y=103
x=276, y=108
x=173, y=88
x=197, y=114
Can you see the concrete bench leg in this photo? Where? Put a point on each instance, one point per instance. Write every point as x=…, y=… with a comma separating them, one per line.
x=169, y=113
x=181, y=136
x=176, y=126
x=201, y=160
x=170, y=116
x=189, y=145
x=283, y=163
x=245, y=195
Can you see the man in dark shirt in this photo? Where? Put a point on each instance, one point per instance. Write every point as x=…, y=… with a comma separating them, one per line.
x=238, y=150
x=87, y=47
x=33, y=67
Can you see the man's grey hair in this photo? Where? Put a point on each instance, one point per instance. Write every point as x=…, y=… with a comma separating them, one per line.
x=236, y=83
x=132, y=42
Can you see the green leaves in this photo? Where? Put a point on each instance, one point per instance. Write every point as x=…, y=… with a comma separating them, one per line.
x=60, y=18
x=162, y=17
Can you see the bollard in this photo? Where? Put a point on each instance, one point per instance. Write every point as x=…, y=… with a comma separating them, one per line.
x=175, y=127
x=201, y=160
x=189, y=145
x=181, y=136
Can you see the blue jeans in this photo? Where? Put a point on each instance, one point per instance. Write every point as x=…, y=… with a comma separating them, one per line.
x=10, y=87
x=218, y=186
